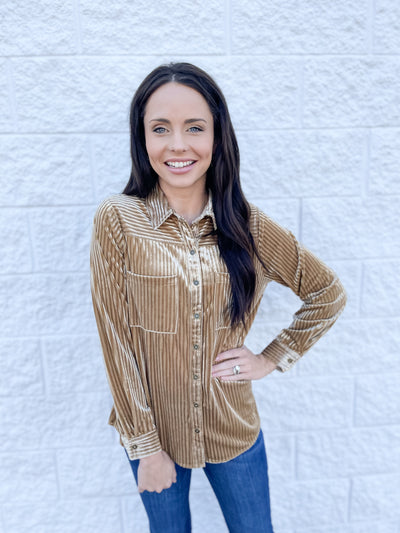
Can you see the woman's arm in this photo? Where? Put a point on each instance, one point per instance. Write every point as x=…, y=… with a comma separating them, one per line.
x=291, y=264
x=109, y=293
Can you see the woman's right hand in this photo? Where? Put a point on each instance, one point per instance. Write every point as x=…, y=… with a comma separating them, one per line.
x=156, y=472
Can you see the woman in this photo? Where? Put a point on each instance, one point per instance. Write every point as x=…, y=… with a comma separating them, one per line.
x=179, y=264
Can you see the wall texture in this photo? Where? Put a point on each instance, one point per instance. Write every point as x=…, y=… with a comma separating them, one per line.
x=314, y=91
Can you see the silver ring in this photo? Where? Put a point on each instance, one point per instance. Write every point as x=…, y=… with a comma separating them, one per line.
x=236, y=370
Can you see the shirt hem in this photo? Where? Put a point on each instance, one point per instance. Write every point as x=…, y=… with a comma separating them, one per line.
x=215, y=461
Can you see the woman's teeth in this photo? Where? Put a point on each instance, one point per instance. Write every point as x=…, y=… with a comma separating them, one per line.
x=179, y=164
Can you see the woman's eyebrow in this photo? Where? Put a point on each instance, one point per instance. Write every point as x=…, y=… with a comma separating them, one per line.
x=187, y=121
x=190, y=120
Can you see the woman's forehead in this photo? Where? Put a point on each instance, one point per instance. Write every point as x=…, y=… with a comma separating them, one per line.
x=176, y=99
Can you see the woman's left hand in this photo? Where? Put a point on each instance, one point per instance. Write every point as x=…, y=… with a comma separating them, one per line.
x=252, y=366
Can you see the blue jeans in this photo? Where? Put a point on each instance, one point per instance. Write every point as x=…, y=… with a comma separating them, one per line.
x=240, y=485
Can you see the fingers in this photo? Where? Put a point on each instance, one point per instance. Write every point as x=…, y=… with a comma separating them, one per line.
x=229, y=375
x=225, y=370
x=251, y=366
x=230, y=354
x=225, y=363
x=228, y=365
x=156, y=473
x=158, y=488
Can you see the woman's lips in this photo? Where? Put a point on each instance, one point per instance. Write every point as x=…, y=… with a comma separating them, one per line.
x=179, y=164
x=180, y=167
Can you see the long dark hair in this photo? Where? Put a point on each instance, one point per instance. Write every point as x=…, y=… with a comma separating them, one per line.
x=232, y=212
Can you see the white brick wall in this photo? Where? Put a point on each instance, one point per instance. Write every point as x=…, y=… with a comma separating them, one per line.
x=314, y=91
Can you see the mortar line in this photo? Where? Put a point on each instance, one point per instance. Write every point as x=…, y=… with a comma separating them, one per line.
x=43, y=368
x=77, y=12
x=93, y=168
x=300, y=110
x=325, y=129
x=367, y=164
x=361, y=287
x=11, y=92
x=371, y=26
x=56, y=464
x=120, y=501
x=350, y=494
x=353, y=404
x=295, y=456
x=301, y=210
x=228, y=28
x=195, y=55
x=31, y=240
x=48, y=273
x=31, y=207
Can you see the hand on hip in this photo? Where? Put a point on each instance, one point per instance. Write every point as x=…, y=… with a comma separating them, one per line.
x=241, y=364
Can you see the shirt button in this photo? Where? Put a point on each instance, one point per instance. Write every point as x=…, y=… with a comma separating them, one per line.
x=290, y=360
x=192, y=252
x=197, y=315
x=195, y=404
x=196, y=282
x=195, y=376
x=197, y=430
x=134, y=446
x=196, y=346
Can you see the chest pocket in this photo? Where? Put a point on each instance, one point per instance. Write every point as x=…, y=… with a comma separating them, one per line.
x=222, y=299
x=153, y=302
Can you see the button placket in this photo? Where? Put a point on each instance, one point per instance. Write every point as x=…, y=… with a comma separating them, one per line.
x=195, y=277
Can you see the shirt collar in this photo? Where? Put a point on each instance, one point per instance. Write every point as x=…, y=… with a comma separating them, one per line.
x=159, y=209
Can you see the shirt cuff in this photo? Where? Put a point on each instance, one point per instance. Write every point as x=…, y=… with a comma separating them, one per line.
x=282, y=355
x=142, y=446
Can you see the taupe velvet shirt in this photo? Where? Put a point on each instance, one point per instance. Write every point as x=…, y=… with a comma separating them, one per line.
x=161, y=293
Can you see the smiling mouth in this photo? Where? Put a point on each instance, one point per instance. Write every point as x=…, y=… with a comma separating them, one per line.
x=179, y=164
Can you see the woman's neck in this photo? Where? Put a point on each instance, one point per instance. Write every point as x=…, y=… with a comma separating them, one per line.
x=187, y=203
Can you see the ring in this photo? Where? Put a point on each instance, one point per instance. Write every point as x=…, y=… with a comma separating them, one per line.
x=236, y=370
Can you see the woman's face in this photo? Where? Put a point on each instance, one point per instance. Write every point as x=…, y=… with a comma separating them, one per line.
x=179, y=132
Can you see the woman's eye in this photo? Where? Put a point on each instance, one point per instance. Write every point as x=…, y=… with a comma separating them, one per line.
x=159, y=129
x=195, y=129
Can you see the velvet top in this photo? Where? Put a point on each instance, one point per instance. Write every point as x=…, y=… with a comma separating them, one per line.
x=161, y=294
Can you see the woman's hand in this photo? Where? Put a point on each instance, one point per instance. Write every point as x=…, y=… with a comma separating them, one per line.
x=156, y=472
x=252, y=366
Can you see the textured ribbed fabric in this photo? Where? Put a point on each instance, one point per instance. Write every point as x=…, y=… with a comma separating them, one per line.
x=161, y=293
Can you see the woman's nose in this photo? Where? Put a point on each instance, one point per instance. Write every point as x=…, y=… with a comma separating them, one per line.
x=178, y=143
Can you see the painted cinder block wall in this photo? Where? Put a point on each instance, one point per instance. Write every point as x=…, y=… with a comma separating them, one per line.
x=314, y=92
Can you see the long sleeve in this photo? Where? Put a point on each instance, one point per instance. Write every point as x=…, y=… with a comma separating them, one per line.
x=134, y=417
x=293, y=265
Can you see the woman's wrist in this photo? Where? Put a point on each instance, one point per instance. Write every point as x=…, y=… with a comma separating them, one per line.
x=269, y=364
x=150, y=459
